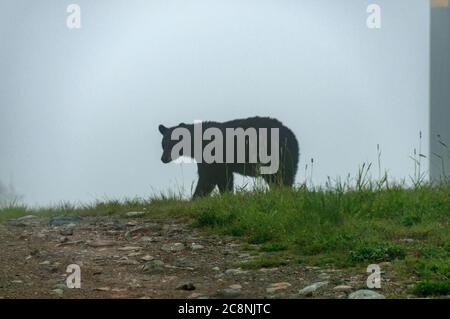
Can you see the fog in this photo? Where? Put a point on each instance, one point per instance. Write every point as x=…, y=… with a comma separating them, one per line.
x=80, y=108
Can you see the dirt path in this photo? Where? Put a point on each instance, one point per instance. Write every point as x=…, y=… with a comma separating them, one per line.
x=135, y=258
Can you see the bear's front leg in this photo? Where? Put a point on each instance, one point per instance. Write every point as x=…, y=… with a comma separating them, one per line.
x=204, y=185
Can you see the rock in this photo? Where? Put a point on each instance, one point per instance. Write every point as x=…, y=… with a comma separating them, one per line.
x=129, y=248
x=153, y=226
x=216, y=268
x=119, y=289
x=102, y=289
x=186, y=286
x=236, y=287
x=67, y=232
x=101, y=243
x=57, y=291
x=196, y=295
x=324, y=275
x=146, y=238
x=63, y=220
x=135, y=214
x=309, y=290
x=343, y=288
x=154, y=265
x=274, y=296
x=128, y=262
x=184, y=263
x=229, y=292
x=278, y=286
x=24, y=220
x=147, y=258
x=196, y=247
x=176, y=247
x=365, y=294
x=265, y=270
x=27, y=217
x=134, y=231
x=60, y=286
x=235, y=272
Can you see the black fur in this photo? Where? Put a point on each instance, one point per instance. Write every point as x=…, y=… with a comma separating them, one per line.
x=221, y=174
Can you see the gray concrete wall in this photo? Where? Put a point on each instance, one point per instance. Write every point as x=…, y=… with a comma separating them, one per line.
x=440, y=92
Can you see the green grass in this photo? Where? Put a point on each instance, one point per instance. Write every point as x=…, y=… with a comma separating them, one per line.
x=337, y=225
x=432, y=288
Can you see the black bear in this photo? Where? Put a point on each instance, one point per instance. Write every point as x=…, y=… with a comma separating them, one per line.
x=240, y=146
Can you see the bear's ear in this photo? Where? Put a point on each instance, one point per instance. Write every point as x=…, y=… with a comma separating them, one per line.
x=162, y=129
x=182, y=124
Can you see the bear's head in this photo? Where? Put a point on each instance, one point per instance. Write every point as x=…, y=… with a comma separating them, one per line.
x=167, y=142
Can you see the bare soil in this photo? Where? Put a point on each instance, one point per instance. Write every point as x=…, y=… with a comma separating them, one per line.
x=117, y=260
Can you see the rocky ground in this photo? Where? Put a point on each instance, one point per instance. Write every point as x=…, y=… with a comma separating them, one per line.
x=166, y=258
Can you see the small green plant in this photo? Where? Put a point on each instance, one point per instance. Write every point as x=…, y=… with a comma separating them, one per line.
x=377, y=253
x=269, y=247
x=432, y=288
x=265, y=262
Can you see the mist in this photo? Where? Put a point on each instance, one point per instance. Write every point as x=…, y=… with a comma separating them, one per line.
x=80, y=108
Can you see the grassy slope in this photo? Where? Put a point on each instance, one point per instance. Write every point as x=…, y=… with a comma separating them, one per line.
x=340, y=226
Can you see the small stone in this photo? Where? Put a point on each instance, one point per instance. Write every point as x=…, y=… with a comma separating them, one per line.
x=60, y=286
x=184, y=263
x=63, y=220
x=146, y=238
x=343, y=288
x=309, y=290
x=265, y=270
x=57, y=291
x=365, y=294
x=26, y=218
x=147, y=258
x=46, y=262
x=129, y=248
x=235, y=286
x=277, y=286
x=186, y=286
x=228, y=292
x=176, y=247
x=66, y=232
x=119, y=289
x=196, y=247
x=154, y=265
x=196, y=295
x=101, y=243
x=135, y=214
x=235, y=272
x=216, y=268
x=103, y=289
x=324, y=275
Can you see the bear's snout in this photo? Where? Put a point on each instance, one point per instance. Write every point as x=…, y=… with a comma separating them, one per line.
x=165, y=158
